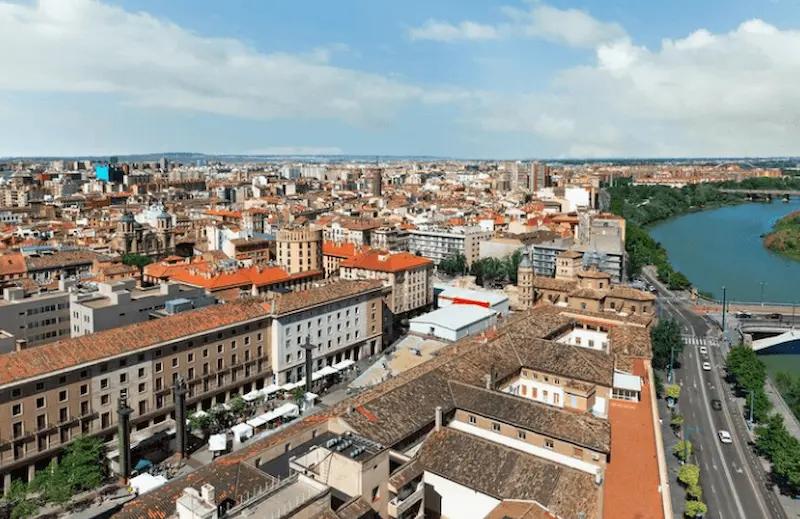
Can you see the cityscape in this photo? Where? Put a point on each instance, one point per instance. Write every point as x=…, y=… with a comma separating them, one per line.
x=563, y=302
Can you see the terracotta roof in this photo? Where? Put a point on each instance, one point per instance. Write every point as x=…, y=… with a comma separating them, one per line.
x=632, y=478
x=354, y=509
x=383, y=261
x=588, y=293
x=331, y=291
x=514, y=509
x=629, y=341
x=241, y=277
x=12, y=264
x=593, y=274
x=61, y=259
x=506, y=473
x=561, y=285
x=630, y=293
x=570, y=254
x=339, y=250
x=68, y=353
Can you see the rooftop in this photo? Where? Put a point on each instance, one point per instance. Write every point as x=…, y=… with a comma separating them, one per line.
x=330, y=291
x=455, y=317
x=383, y=261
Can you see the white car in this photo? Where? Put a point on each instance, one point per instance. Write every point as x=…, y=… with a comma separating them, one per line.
x=725, y=437
x=706, y=366
x=703, y=350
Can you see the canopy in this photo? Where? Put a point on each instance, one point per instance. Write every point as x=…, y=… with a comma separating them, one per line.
x=256, y=422
x=346, y=363
x=272, y=388
x=146, y=482
x=242, y=431
x=217, y=442
x=279, y=412
x=292, y=385
x=328, y=370
x=252, y=395
x=310, y=397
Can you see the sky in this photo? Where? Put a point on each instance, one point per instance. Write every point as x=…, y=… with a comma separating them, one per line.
x=472, y=79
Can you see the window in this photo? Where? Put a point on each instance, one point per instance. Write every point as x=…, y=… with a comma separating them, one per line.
x=205, y=352
x=583, y=306
x=376, y=494
x=544, y=395
x=233, y=345
x=159, y=367
x=84, y=389
x=288, y=357
x=123, y=378
x=142, y=387
x=591, y=343
x=556, y=381
x=473, y=420
x=612, y=305
x=62, y=381
x=104, y=400
x=84, y=408
x=246, y=341
x=190, y=357
x=175, y=362
x=495, y=427
x=62, y=395
x=16, y=410
x=63, y=415
x=548, y=443
x=39, y=386
x=41, y=402
x=521, y=435
x=84, y=374
x=17, y=429
x=258, y=337
x=105, y=420
x=556, y=398
x=577, y=453
x=220, y=348
x=16, y=392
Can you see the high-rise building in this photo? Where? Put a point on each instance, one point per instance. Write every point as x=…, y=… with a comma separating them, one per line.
x=376, y=180
x=299, y=249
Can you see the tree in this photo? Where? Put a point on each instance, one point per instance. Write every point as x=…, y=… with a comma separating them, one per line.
x=237, y=406
x=761, y=405
x=24, y=509
x=455, y=265
x=695, y=509
x=667, y=342
x=673, y=391
x=298, y=395
x=772, y=437
x=695, y=492
x=677, y=421
x=746, y=368
x=137, y=260
x=488, y=270
x=17, y=495
x=53, y=484
x=84, y=464
x=683, y=450
x=201, y=422
x=512, y=262
x=689, y=474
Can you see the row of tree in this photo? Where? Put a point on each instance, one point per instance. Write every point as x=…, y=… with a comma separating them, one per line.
x=82, y=468
x=773, y=440
x=789, y=387
x=487, y=271
x=667, y=343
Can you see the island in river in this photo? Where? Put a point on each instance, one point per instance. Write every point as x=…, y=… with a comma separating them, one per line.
x=785, y=236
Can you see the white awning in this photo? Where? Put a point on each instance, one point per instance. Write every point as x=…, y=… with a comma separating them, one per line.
x=292, y=385
x=310, y=397
x=280, y=412
x=327, y=370
x=256, y=422
x=242, y=431
x=252, y=395
x=346, y=363
x=146, y=482
x=628, y=382
x=270, y=389
x=217, y=442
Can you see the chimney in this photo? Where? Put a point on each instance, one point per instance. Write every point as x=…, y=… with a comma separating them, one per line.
x=488, y=379
x=438, y=418
x=208, y=494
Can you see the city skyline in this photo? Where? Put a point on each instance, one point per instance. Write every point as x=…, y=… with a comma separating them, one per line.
x=468, y=79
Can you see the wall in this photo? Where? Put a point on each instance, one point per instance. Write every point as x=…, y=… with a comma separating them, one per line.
x=589, y=339
x=454, y=501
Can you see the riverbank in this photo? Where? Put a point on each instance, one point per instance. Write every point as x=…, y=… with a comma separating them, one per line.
x=785, y=237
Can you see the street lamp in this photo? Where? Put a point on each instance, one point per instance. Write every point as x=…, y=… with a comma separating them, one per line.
x=752, y=393
x=671, y=363
x=724, y=300
x=762, y=292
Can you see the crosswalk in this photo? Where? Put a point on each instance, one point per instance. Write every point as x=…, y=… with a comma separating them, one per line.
x=695, y=340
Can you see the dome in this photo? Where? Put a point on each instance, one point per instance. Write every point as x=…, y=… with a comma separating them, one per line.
x=164, y=215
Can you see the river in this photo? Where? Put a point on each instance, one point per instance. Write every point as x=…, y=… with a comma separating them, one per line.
x=723, y=247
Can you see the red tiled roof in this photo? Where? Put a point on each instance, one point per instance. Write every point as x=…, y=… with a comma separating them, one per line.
x=632, y=479
x=23, y=364
x=13, y=263
x=383, y=261
x=339, y=250
x=256, y=275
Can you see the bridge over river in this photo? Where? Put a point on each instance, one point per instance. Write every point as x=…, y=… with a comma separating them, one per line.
x=763, y=193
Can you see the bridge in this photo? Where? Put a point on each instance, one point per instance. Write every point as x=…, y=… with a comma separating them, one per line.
x=763, y=193
x=786, y=342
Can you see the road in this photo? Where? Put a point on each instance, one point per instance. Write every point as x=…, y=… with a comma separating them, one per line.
x=733, y=482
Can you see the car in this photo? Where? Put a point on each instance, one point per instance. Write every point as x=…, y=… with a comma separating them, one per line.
x=725, y=437
x=743, y=315
x=716, y=404
x=774, y=316
x=703, y=350
x=706, y=366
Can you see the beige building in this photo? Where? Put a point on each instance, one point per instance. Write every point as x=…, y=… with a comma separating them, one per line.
x=299, y=249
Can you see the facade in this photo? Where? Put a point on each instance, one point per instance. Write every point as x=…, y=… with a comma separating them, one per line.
x=50, y=266
x=351, y=230
x=390, y=238
x=299, y=249
x=109, y=305
x=342, y=320
x=453, y=322
x=334, y=253
x=34, y=318
x=439, y=244
x=51, y=394
x=250, y=250
x=135, y=238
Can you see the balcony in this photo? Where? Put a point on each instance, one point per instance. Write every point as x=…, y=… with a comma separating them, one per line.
x=399, y=504
x=46, y=428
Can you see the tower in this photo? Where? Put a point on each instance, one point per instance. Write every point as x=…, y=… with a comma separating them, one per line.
x=525, y=275
x=124, y=437
x=376, y=179
x=179, y=392
x=166, y=237
x=126, y=233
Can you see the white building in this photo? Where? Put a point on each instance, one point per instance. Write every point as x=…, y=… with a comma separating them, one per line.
x=437, y=244
x=454, y=322
x=447, y=295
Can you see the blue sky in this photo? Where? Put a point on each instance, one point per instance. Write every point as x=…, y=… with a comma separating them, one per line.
x=467, y=78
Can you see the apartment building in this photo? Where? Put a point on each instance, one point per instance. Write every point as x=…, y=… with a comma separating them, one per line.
x=53, y=393
x=351, y=230
x=341, y=320
x=299, y=249
x=102, y=306
x=250, y=250
x=437, y=244
x=408, y=276
x=390, y=238
x=458, y=436
x=334, y=253
x=34, y=318
x=48, y=266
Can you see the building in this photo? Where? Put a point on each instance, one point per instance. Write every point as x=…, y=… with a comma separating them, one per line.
x=110, y=173
x=334, y=253
x=49, y=266
x=453, y=322
x=437, y=244
x=447, y=296
x=56, y=392
x=409, y=277
x=351, y=230
x=607, y=253
x=102, y=306
x=133, y=237
x=390, y=238
x=376, y=181
x=33, y=318
x=299, y=249
x=521, y=417
x=340, y=320
x=250, y=250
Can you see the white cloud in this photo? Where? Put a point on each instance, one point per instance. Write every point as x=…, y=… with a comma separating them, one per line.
x=85, y=46
x=443, y=31
x=572, y=27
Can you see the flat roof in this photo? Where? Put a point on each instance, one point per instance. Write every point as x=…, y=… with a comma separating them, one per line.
x=477, y=295
x=455, y=317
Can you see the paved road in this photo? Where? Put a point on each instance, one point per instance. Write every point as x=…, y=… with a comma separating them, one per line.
x=733, y=482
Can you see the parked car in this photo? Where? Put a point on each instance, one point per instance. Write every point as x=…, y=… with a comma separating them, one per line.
x=725, y=437
x=706, y=366
x=716, y=404
x=703, y=350
x=774, y=316
x=743, y=315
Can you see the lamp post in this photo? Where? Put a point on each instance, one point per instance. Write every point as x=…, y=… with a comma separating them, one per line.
x=752, y=397
x=724, y=300
x=762, y=292
x=671, y=376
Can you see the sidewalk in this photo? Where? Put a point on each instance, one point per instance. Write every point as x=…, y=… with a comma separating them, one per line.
x=670, y=439
x=792, y=425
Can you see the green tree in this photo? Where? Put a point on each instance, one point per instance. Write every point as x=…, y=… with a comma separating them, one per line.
x=24, y=509
x=667, y=342
x=772, y=436
x=237, y=406
x=488, y=270
x=695, y=492
x=512, y=262
x=673, y=391
x=298, y=395
x=761, y=405
x=137, y=260
x=683, y=450
x=747, y=370
x=53, y=484
x=201, y=422
x=84, y=464
x=677, y=421
x=689, y=474
x=455, y=265
x=17, y=495
x=695, y=509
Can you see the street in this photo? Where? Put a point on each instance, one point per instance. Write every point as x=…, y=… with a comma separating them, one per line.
x=734, y=484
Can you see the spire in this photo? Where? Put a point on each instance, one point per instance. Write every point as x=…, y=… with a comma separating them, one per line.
x=526, y=259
